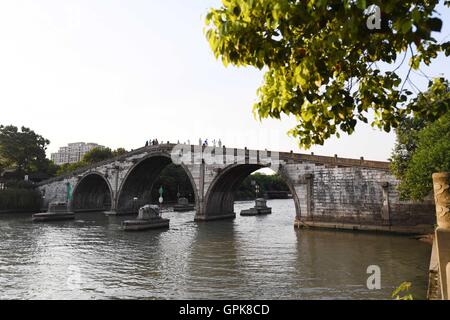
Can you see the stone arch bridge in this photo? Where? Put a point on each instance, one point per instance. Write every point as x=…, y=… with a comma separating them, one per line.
x=327, y=191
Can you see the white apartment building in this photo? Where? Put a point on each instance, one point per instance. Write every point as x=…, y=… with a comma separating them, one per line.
x=73, y=152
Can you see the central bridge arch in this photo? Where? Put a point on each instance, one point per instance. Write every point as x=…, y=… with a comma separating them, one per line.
x=135, y=190
x=219, y=198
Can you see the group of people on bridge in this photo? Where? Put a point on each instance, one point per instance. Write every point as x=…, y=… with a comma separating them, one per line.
x=205, y=143
x=155, y=142
x=152, y=142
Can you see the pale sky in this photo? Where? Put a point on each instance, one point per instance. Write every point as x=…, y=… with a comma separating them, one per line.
x=121, y=72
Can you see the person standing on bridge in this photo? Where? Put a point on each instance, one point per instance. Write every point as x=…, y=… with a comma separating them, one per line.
x=219, y=143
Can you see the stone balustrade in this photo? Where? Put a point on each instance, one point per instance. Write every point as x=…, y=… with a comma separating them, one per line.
x=441, y=187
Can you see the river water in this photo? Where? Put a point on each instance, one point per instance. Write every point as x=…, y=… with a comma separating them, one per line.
x=247, y=258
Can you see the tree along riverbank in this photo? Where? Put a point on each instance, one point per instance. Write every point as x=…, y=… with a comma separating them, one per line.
x=20, y=200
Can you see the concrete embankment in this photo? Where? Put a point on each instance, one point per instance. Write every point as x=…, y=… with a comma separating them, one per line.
x=406, y=230
x=434, y=290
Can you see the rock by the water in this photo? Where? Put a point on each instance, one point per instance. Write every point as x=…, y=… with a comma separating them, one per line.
x=183, y=205
x=148, y=218
x=147, y=212
x=259, y=208
x=57, y=211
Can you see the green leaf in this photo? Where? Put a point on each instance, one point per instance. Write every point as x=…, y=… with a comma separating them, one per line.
x=405, y=26
x=361, y=4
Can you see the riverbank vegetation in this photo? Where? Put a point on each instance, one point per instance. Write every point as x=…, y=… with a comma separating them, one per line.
x=423, y=146
x=175, y=183
x=22, y=161
x=265, y=183
x=16, y=197
x=22, y=152
x=93, y=156
x=402, y=292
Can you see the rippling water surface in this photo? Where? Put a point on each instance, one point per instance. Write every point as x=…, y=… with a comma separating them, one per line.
x=249, y=257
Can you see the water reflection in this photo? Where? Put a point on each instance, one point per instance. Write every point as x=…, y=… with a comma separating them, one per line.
x=334, y=264
x=249, y=257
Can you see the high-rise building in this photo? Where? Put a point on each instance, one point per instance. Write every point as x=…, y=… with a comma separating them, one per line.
x=73, y=152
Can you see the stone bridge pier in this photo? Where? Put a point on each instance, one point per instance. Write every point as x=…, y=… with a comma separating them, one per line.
x=328, y=192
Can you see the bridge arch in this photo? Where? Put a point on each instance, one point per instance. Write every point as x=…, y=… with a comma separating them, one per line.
x=140, y=178
x=92, y=193
x=219, y=198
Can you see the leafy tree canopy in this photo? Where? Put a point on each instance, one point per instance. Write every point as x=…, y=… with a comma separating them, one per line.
x=321, y=59
x=420, y=147
x=174, y=180
x=69, y=167
x=100, y=154
x=407, y=136
x=266, y=182
x=22, y=150
x=119, y=152
x=97, y=154
x=430, y=153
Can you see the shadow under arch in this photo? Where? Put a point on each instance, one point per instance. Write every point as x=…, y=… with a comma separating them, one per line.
x=92, y=193
x=138, y=182
x=219, y=199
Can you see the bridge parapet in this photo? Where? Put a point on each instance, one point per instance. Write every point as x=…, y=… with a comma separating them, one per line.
x=226, y=156
x=333, y=161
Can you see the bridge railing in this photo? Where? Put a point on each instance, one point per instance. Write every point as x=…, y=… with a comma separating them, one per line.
x=334, y=161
